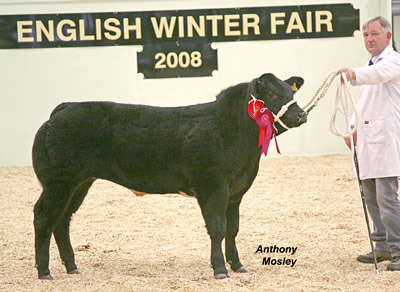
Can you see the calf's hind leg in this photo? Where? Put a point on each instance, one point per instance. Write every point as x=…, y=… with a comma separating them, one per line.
x=61, y=230
x=47, y=211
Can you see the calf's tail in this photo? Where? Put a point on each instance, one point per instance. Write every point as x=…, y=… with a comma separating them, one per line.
x=41, y=160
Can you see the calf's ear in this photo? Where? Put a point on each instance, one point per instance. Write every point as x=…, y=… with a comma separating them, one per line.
x=295, y=82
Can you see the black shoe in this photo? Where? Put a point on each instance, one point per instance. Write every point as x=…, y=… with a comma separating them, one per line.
x=380, y=256
x=394, y=265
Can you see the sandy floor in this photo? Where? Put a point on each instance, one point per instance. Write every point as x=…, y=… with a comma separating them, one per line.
x=158, y=243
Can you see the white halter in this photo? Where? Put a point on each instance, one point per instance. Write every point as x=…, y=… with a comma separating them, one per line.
x=282, y=111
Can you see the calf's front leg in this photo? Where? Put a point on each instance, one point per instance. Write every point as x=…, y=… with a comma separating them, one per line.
x=232, y=228
x=213, y=206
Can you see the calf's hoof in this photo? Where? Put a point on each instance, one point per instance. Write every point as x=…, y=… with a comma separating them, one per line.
x=241, y=270
x=46, y=277
x=221, y=276
x=74, y=271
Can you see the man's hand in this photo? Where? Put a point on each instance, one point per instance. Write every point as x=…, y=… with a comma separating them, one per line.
x=348, y=141
x=350, y=74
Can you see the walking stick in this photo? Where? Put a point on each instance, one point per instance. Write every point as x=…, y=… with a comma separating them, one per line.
x=378, y=271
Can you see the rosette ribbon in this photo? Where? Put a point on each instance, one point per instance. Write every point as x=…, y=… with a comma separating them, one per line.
x=265, y=121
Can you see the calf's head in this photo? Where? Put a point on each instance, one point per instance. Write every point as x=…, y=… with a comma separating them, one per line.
x=276, y=94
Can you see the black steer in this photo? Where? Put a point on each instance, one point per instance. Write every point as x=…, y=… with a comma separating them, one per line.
x=208, y=151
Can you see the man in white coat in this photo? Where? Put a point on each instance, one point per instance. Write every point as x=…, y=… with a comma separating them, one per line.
x=378, y=138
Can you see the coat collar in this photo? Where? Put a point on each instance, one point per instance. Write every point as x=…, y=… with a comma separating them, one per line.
x=384, y=53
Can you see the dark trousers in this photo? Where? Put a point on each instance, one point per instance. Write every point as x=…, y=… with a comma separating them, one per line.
x=381, y=195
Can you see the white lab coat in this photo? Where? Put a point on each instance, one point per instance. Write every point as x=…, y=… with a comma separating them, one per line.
x=378, y=132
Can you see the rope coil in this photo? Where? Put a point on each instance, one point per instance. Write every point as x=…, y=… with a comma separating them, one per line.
x=344, y=102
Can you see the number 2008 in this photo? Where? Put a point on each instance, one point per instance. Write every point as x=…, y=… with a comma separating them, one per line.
x=182, y=59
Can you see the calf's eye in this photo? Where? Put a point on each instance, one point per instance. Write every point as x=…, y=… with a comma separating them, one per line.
x=270, y=95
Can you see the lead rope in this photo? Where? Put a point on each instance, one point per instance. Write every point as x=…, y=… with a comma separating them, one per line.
x=320, y=93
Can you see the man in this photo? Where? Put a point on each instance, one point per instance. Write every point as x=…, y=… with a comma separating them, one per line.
x=378, y=139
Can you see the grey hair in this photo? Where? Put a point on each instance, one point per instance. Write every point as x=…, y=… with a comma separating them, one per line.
x=385, y=24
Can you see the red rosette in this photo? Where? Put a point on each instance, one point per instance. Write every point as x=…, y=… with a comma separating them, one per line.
x=265, y=121
x=264, y=118
x=254, y=107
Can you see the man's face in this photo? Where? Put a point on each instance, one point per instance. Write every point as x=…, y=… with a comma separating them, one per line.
x=375, y=39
